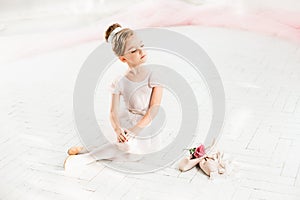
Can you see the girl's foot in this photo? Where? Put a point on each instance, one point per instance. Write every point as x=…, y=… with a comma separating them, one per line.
x=74, y=150
x=187, y=163
x=66, y=161
x=77, y=162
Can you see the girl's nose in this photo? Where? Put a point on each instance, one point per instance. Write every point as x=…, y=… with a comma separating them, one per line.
x=140, y=51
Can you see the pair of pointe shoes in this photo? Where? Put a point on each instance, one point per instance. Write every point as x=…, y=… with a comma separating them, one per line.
x=189, y=162
x=209, y=164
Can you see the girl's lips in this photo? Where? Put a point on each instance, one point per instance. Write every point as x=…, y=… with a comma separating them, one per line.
x=143, y=56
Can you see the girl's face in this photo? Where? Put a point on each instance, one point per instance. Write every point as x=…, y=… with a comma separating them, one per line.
x=134, y=54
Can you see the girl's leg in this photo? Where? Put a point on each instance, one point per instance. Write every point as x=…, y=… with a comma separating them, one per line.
x=77, y=161
x=108, y=151
x=115, y=151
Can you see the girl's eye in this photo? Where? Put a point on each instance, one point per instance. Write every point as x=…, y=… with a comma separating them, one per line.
x=134, y=50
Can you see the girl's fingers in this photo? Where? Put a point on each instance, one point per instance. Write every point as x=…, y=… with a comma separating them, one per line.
x=122, y=138
x=130, y=136
x=122, y=135
x=126, y=135
x=121, y=141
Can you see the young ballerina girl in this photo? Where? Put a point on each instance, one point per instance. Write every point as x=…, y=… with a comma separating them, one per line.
x=142, y=96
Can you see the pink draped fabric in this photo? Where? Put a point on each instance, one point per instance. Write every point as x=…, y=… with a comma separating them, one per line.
x=167, y=13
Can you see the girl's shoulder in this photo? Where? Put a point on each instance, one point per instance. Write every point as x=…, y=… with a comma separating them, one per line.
x=117, y=82
x=118, y=78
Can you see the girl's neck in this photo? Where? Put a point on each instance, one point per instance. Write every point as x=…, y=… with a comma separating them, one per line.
x=134, y=70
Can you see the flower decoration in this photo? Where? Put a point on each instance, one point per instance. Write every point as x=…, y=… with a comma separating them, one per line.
x=197, y=152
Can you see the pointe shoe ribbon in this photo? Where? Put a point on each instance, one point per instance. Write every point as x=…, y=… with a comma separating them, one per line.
x=212, y=164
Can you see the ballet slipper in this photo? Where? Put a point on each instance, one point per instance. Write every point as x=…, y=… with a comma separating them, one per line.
x=209, y=165
x=66, y=161
x=74, y=150
x=71, y=168
x=213, y=164
x=187, y=163
x=77, y=162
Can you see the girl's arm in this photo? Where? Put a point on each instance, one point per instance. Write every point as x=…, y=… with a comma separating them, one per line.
x=152, y=111
x=114, y=110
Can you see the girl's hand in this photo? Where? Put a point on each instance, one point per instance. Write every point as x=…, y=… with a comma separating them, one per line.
x=130, y=133
x=122, y=136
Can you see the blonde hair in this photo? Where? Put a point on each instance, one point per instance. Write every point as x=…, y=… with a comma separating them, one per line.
x=119, y=39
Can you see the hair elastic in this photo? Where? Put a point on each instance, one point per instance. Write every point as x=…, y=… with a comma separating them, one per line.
x=113, y=33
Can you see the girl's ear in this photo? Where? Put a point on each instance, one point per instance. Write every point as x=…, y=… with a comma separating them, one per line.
x=122, y=58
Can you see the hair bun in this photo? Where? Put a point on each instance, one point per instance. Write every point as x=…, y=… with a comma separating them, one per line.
x=110, y=29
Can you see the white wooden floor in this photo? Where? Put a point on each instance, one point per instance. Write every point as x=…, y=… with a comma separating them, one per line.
x=261, y=76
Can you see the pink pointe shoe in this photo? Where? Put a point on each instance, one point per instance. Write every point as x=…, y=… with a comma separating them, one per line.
x=195, y=157
x=77, y=162
x=212, y=165
x=187, y=163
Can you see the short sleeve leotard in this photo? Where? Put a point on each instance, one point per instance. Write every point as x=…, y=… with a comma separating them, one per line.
x=136, y=96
